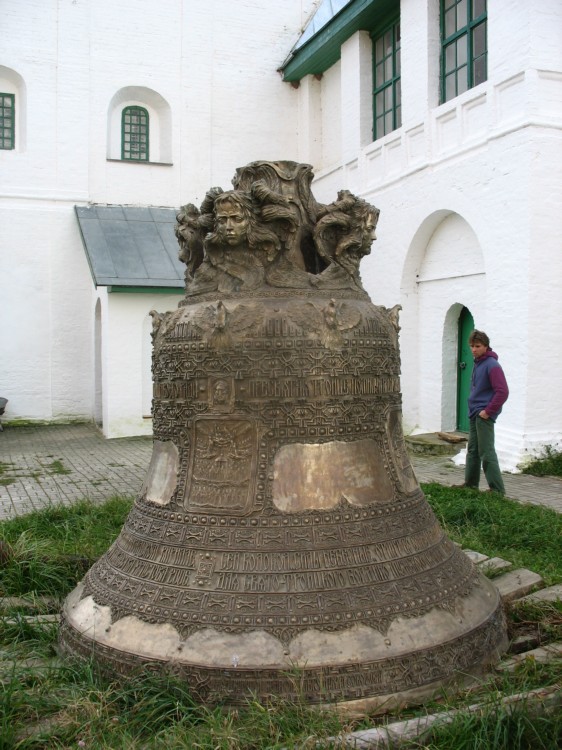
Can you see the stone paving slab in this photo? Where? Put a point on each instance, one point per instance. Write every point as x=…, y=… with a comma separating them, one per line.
x=542, y=655
x=37, y=604
x=475, y=557
x=494, y=563
x=524, y=643
x=551, y=594
x=32, y=619
x=33, y=457
x=517, y=583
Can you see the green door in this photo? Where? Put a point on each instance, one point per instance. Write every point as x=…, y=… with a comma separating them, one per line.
x=464, y=369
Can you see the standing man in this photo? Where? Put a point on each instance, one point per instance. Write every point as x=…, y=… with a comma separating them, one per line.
x=488, y=393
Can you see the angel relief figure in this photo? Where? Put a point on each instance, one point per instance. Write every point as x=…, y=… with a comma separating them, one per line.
x=328, y=322
x=224, y=441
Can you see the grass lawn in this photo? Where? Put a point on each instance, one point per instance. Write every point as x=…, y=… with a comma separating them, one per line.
x=527, y=535
x=45, y=703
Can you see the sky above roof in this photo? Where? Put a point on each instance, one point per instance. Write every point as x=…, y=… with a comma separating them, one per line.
x=322, y=16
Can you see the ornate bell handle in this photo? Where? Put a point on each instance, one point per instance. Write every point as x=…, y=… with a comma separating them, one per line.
x=462, y=365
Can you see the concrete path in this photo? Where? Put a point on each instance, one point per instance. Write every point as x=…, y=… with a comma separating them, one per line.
x=33, y=460
x=43, y=465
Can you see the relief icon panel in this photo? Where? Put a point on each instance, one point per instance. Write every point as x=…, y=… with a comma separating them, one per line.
x=222, y=473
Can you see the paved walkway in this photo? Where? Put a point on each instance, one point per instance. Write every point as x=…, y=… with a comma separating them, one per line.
x=33, y=460
x=42, y=465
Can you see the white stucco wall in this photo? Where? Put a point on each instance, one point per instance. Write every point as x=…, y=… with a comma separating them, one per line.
x=467, y=192
x=45, y=310
x=125, y=359
x=476, y=179
x=207, y=72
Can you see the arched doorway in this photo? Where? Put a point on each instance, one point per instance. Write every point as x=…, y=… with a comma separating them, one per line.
x=464, y=368
x=444, y=269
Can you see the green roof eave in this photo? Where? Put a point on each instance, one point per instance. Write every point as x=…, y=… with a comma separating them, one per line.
x=145, y=289
x=324, y=48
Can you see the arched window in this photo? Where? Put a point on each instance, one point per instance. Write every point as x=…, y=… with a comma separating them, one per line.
x=134, y=134
x=7, y=121
x=155, y=119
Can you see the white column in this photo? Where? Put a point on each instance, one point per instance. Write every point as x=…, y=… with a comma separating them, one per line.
x=310, y=121
x=420, y=50
x=356, y=94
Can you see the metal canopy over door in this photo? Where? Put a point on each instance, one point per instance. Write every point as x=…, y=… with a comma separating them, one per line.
x=464, y=369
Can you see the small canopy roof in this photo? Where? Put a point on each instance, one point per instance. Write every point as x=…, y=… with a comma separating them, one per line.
x=131, y=245
x=334, y=21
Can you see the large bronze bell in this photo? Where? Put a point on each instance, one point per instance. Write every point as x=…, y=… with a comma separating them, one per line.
x=281, y=545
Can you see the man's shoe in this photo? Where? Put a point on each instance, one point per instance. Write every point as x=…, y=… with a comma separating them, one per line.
x=463, y=487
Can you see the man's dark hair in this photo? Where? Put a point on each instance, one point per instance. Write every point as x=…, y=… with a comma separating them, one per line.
x=478, y=337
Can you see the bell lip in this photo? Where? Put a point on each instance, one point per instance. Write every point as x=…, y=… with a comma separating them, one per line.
x=120, y=662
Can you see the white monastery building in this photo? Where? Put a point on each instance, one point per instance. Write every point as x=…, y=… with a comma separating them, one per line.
x=445, y=114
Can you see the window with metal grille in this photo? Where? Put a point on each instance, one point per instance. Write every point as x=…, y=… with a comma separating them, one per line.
x=387, y=97
x=134, y=134
x=464, y=47
x=7, y=121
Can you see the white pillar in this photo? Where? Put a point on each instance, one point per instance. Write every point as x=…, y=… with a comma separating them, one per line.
x=310, y=121
x=357, y=94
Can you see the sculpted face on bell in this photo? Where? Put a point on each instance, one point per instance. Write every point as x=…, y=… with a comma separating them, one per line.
x=369, y=234
x=232, y=223
x=220, y=392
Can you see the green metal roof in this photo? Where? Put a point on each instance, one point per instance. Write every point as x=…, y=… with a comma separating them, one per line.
x=333, y=23
x=131, y=246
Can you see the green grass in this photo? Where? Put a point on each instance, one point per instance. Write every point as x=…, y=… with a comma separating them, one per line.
x=4, y=467
x=60, y=705
x=526, y=535
x=549, y=464
x=495, y=729
x=48, y=551
x=57, y=467
x=48, y=704
x=71, y=707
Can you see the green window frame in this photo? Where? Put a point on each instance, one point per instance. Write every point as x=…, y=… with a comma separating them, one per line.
x=134, y=134
x=7, y=121
x=387, y=92
x=464, y=46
